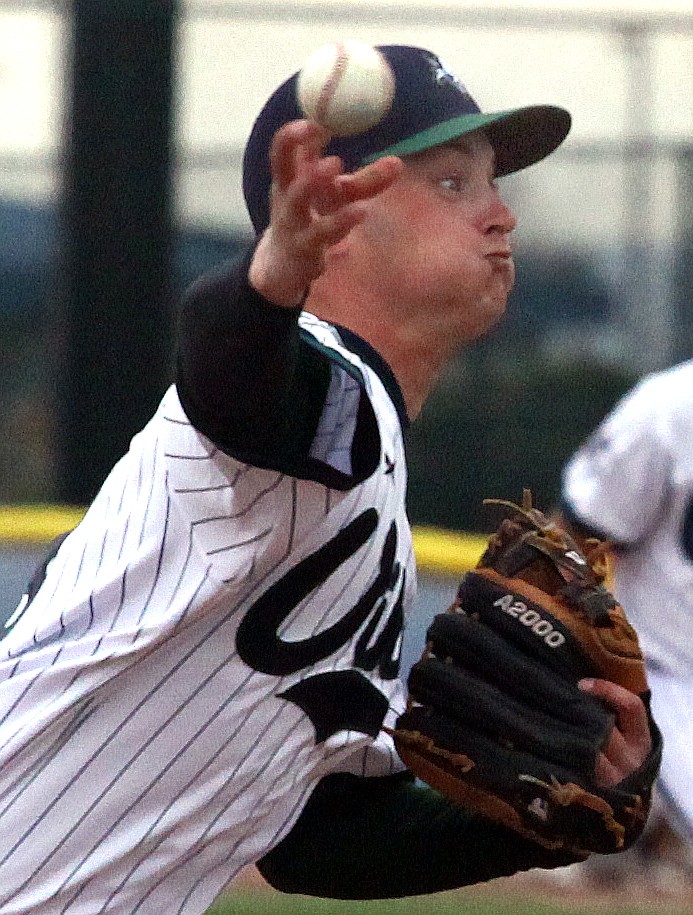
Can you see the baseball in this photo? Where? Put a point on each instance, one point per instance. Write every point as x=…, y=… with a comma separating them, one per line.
x=347, y=87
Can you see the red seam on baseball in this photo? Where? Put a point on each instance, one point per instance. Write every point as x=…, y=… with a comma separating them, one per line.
x=333, y=80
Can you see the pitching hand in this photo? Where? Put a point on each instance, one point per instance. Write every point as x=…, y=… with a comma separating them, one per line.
x=314, y=205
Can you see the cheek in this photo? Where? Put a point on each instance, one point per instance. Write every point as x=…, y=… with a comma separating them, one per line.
x=381, y=233
x=476, y=290
x=503, y=274
x=394, y=248
x=493, y=297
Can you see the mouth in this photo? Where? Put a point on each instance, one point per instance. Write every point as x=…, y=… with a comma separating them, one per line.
x=501, y=260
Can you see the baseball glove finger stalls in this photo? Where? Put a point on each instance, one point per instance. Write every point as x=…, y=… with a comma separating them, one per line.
x=532, y=556
x=525, y=623
x=466, y=642
x=477, y=707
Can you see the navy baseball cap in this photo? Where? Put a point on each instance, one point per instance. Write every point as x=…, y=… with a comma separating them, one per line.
x=431, y=106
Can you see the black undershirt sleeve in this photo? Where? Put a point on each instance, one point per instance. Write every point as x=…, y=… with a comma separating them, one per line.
x=379, y=838
x=244, y=376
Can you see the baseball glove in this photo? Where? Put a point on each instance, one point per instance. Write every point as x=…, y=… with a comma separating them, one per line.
x=495, y=719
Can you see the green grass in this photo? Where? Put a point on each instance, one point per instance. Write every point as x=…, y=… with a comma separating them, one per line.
x=249, y=902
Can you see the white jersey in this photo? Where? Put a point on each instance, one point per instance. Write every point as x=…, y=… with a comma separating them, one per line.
x=209, y=642
x=633, y=481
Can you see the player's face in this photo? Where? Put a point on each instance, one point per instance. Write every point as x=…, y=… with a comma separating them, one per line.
x=440, y=237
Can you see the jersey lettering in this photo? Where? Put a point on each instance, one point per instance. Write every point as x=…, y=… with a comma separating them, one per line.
x=342, y=700
x=384, y=652
x=338, y=700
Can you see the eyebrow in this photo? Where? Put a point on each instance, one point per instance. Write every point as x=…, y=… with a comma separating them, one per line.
x=464, y=146
x=461, y=144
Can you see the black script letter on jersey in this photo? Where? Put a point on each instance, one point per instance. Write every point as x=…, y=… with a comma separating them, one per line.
x=257, y=640
x=337, y=700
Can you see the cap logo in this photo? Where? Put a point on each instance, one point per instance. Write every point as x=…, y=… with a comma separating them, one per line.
x=444, y=76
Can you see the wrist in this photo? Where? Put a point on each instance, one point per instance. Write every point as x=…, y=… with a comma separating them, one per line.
x=273, y=277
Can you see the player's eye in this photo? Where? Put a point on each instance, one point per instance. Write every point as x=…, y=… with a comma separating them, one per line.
x=452, y=183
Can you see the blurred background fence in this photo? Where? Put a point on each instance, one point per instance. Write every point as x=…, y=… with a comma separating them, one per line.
x=122, y=125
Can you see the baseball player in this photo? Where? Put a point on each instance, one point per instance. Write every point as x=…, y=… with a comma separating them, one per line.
x=632, y=483
x=202, y=674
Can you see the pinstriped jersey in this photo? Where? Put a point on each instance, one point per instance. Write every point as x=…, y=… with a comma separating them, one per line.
x=209, y=642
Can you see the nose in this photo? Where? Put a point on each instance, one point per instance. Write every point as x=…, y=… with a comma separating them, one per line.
x=501, y=219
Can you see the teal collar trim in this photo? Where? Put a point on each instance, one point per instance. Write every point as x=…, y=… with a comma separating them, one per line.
x=375, y=361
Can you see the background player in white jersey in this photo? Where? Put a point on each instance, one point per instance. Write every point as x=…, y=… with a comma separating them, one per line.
x=201, y=676
x=631, y=482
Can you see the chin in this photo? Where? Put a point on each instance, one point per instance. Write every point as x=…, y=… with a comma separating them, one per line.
x=485, y=320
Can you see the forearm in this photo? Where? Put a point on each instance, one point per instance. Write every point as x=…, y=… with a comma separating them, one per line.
x=388, y=837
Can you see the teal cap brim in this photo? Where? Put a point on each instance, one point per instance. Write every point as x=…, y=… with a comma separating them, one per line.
x=520, y=136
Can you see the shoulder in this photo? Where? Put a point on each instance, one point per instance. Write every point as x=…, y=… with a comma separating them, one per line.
x=659, y=389
x=652, y=405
